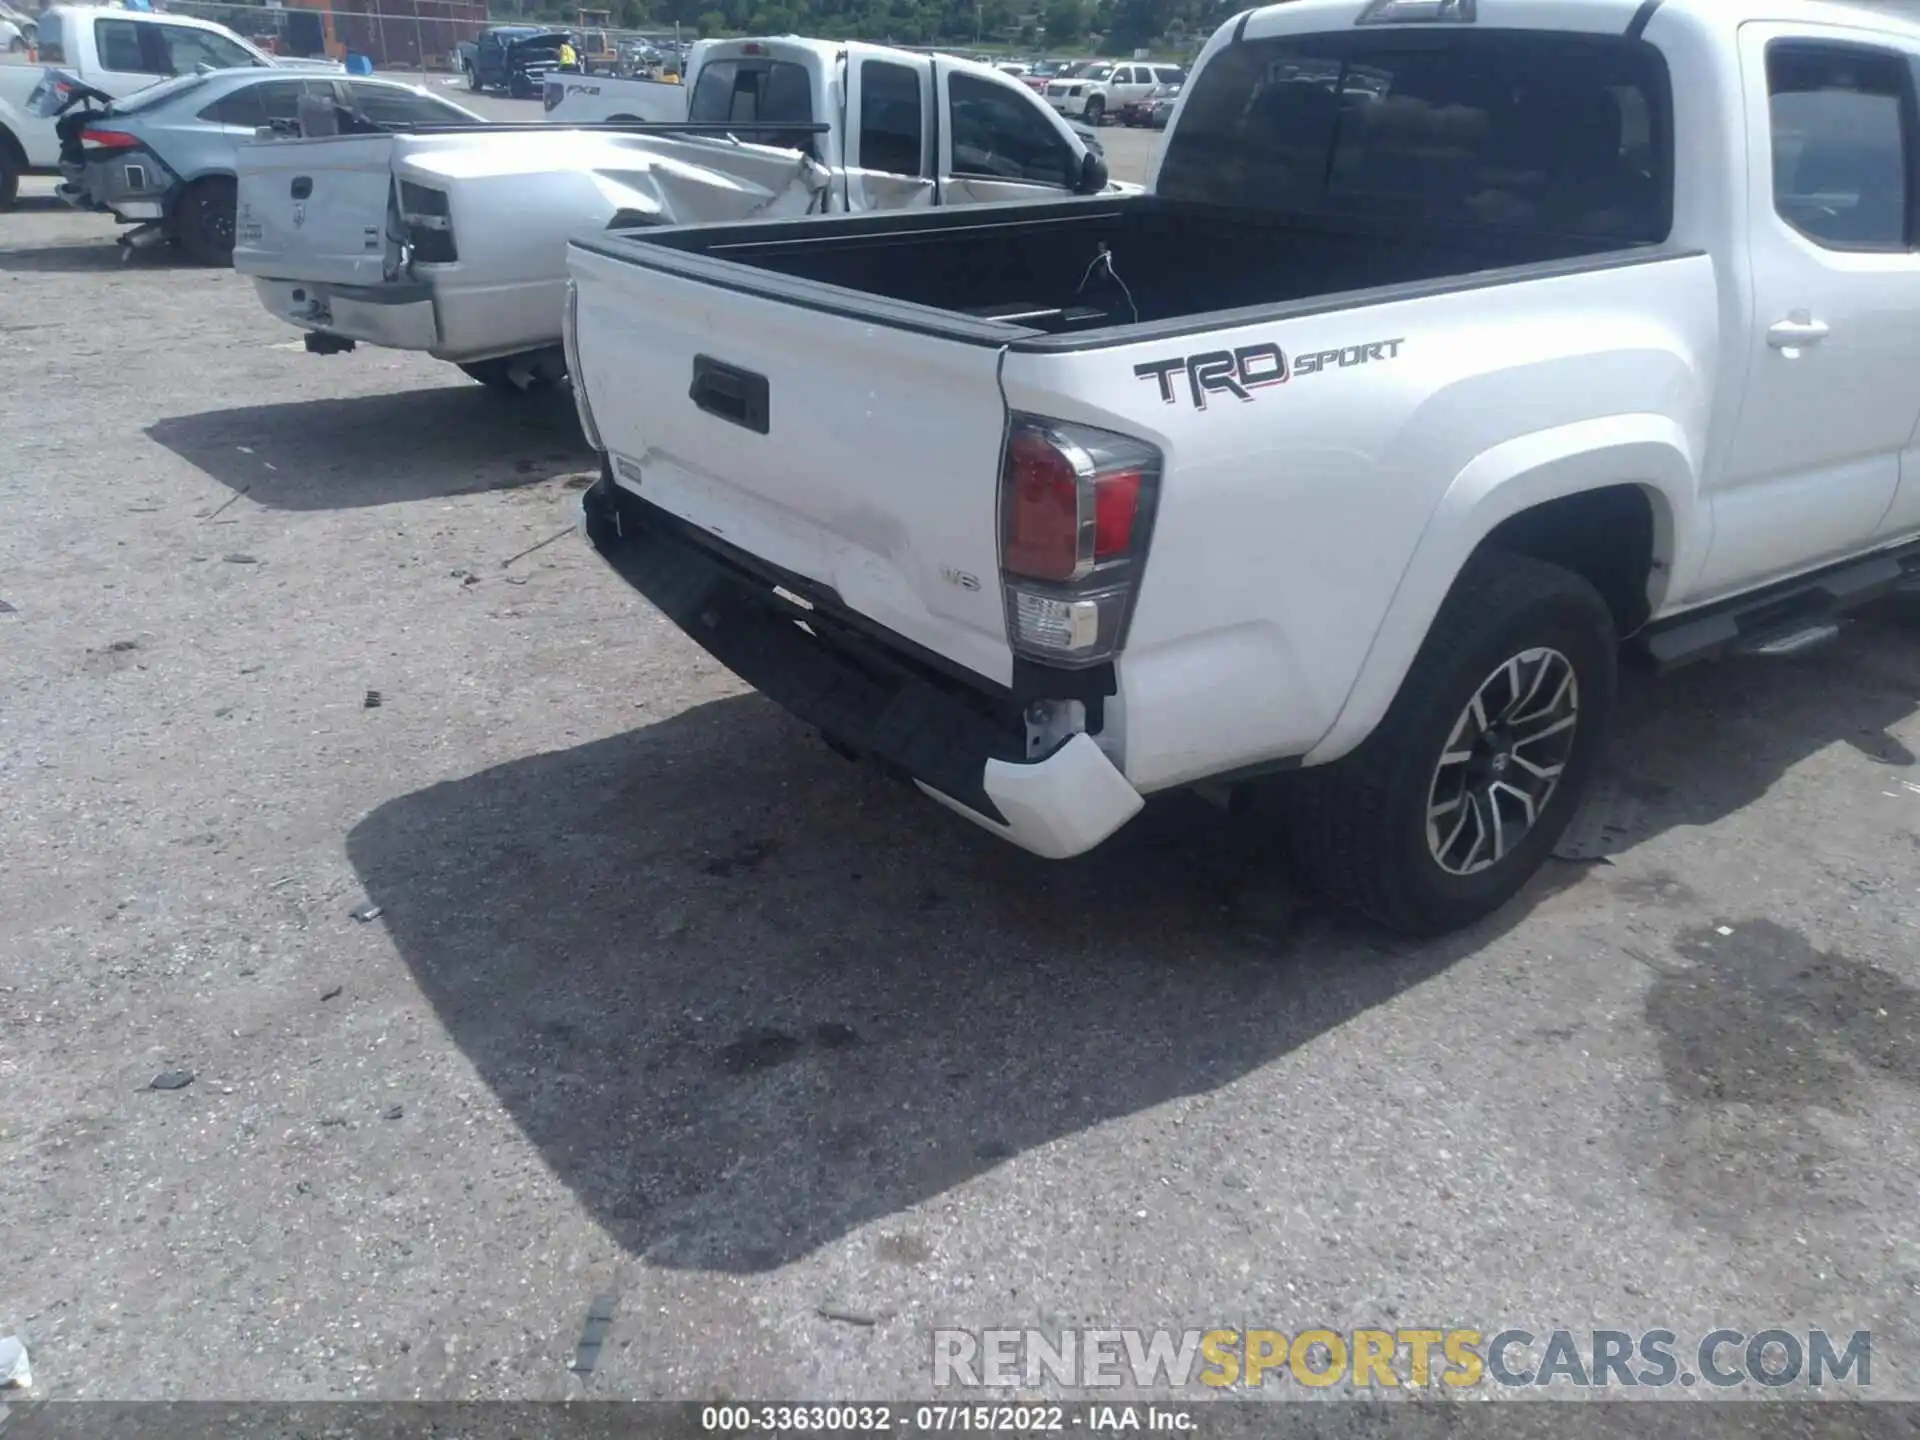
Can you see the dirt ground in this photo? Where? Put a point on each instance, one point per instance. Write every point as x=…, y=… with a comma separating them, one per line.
x=517, y=957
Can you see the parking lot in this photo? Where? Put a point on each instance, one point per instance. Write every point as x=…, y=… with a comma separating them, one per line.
x=519, y=957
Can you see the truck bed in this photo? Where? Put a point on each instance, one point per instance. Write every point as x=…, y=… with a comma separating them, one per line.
x=1169, y=266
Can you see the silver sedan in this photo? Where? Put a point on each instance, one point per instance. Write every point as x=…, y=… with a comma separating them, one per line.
x=163, y=159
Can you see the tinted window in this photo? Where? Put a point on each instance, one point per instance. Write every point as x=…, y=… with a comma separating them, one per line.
x=396, y=105
x=1513, y=129
x=998, y=135
x=257, y=105
x=1098, y=72
x=52, y=42
x=773, y=91
x=187, y=49
x=1840, y=147
x=1169, y=74
x=118, y=42
x=890, y=135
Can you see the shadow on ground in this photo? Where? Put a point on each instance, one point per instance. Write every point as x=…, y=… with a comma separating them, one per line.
x=342, y=453
x=83, y=257
x=745, y=997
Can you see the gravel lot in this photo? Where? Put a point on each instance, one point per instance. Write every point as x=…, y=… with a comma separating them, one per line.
x=666, y=1001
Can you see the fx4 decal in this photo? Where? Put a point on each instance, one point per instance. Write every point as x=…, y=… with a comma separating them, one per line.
x=1240, y=372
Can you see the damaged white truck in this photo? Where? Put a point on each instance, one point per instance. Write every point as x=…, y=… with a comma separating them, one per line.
x=1456, y=351
x=453, y=240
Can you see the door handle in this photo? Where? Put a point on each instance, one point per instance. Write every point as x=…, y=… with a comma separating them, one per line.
x=1792, y=334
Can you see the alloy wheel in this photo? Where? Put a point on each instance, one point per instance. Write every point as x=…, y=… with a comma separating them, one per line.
x=1503, y=761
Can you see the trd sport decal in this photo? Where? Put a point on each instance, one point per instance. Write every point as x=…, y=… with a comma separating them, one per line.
x=1249, y=368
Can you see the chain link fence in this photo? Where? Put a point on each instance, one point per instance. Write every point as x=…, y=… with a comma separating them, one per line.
x=393, y=34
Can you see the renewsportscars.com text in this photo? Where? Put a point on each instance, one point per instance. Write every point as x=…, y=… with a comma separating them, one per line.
x=1400, y=1358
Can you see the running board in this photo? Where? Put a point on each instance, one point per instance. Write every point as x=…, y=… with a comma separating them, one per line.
x=1782, y=620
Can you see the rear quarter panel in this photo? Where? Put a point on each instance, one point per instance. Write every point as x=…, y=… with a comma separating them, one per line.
x=1307, y=533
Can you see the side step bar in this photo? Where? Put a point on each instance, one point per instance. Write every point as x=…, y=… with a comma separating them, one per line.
x=1787, y=619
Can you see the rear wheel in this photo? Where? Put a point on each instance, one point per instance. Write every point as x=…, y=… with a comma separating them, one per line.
x=473, y=80
x=203, y=221
x=12, y=162
x=1096, y=110
x=1446, y=810
x=16, y=46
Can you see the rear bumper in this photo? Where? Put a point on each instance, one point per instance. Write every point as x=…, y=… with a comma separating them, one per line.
x=399, y=316
x=956, y=737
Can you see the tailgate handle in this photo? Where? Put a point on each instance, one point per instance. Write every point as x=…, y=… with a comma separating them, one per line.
x=734, y=395
x=302, y=186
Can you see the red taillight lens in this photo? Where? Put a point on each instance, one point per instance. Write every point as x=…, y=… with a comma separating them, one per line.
x=1043, y=510
x=108, y=139
x=1076, y=508
x=1116, y=501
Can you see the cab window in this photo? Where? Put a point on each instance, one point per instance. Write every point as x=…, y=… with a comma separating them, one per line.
x=1841, y=148
x=890, y=130
x=186, y=50
x=998, y=136
x=118, y=45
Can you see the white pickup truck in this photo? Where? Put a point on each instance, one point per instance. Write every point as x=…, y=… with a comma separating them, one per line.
x=455, y=242
x=115, y=52
x=1456, y=350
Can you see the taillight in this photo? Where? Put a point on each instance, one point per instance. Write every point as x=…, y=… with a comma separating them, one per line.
x=428, y=216
x=108, y=139
x=1076, y=508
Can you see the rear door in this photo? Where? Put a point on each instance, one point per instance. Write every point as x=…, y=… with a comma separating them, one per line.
x=997, y=142
x=889, y=131
x=316, y=209
x=863, y=456
x=1832, y=355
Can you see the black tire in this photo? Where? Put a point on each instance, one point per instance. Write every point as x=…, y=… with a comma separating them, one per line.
x=473, y=81
x=1359, y=827
x=12, y=163
x=1096, y=111
x=203, y=221
x=16, y=46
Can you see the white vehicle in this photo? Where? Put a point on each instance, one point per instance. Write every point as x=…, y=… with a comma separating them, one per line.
x=622, y=100
x=1105, y=90
x=455, y=242
x=1454, y=347
x=116, y=52
x=13, y=40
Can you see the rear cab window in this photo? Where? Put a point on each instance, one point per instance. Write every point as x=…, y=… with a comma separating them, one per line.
x=1510, y=129
x=773, y=92
x=1843, y=123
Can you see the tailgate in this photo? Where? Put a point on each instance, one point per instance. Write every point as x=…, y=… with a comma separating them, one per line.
x=316, y=209
x=862, y=455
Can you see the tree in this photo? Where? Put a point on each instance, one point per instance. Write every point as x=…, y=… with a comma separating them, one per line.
x=710, y=22
x=1029, y=36
x=1136, y=23
x=1066, y=23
